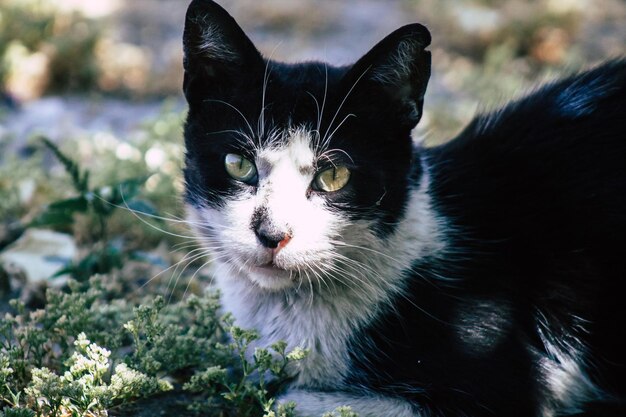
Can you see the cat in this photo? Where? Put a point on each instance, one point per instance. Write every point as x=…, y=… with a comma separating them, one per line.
x=477, y=278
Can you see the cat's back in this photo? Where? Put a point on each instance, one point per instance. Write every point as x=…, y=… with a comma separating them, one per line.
x=553, y=162
x=535, y=194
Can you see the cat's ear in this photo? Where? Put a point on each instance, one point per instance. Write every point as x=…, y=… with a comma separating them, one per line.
x=399, y=68
x=217, y=53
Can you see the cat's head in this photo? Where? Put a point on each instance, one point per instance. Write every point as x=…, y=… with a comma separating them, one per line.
x=290, y=165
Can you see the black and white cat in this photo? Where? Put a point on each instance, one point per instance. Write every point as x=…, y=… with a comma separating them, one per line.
x=482, y=277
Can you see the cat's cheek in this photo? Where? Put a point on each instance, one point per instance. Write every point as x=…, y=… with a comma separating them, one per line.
x=315, y=226
x=202, y=221
x=236, y=232
x=224, y=228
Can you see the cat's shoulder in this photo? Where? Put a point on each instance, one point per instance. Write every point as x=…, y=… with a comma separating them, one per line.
x=599, y=93
x=584, y=93
x=586, y=107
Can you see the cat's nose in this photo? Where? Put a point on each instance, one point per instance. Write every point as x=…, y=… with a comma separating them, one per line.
x=271, y=237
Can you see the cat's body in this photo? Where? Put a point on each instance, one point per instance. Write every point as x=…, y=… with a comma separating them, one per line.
x=478, y=278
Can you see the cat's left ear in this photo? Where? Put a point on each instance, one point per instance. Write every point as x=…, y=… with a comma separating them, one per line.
x=218, y=56
x=398, y=67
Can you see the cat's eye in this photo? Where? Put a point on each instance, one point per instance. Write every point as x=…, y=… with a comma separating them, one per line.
x=240, y=168
x=332, y=179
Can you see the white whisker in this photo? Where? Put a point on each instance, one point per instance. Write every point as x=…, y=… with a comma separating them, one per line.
x=325, y=138
x=235, y=109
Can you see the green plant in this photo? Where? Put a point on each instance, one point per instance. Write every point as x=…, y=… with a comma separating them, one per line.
x=87, y=384
x=246, y=392
x=160, y=346
x=97, y=202
x=17, y=412
x=74, y=358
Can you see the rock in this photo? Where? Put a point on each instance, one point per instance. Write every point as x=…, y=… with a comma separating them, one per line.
x=40, y=253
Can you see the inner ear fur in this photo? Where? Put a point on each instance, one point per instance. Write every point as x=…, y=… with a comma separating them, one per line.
x=398, y=67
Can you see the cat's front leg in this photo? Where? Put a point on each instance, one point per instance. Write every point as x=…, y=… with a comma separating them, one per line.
x=316, y=403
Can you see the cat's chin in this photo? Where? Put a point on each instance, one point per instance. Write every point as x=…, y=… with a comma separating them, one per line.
x=270, y=278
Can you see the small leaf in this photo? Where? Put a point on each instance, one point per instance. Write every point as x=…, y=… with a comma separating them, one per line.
x=79, y=180
x=66, y=270
x=52, y=218
x=72, y=205
x=101, y=205
x=127, y=190
x=279, y=347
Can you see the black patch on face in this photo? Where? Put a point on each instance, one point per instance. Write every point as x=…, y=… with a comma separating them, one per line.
x=362, y=114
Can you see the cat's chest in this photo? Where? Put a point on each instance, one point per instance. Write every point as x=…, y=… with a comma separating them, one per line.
x=314, y=325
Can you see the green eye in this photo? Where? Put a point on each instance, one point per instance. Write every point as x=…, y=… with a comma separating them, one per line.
x=332, y=179
x=240, y=168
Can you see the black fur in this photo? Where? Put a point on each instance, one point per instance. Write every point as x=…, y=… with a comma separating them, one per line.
x=533, y=196
x=536, y=199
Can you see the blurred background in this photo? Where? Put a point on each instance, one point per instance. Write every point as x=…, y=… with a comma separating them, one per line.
x=101, y=81
x=68, y=66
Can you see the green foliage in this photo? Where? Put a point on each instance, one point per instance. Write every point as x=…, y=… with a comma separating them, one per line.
x=43, y=338
x=247, y=391
x=99, y=203
x=87, y=384
x=89, y=351
x=161, y=345
x=341, y=412
x=17, y=412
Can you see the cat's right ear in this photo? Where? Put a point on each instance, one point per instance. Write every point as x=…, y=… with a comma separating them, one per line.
x=398, y=68
x=218, y=55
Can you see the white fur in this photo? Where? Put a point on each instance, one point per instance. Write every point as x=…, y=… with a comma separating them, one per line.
x=338, y=275
x=313, y=404
x=212, y=44
x=397, y=73
x=487, y=325
x=398, y=70
x=564, y=372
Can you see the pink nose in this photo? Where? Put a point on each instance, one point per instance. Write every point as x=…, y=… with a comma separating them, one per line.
x=283, y=243
x=270, y=237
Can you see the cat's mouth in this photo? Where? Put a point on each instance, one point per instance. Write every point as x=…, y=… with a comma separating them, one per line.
x=270, y=266
x=271, y=261
x=270, y=276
